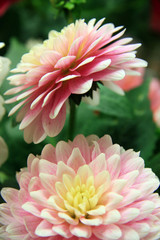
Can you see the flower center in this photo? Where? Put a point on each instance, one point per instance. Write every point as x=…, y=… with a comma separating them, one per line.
x=80, y=196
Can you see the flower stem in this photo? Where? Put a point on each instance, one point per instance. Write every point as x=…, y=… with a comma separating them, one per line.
x=72, y=119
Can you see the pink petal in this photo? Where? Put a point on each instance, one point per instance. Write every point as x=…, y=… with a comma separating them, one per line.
x=40, y=196
x=111, y=200
x=81, y=85
x=130, y=196
x=48, y=181
x=10, y=195
x=33, y=208
x=76, y=160
x=49, y=77
x=53, y=126
x=81, y=231
x=51, y=216
x=29, y=117
x=67, y=218
x=127, y=232
x=5, y=214
x=113, y=165
x=128, y=214
x=65, y=62
x=94, y=221
x=98, y=164
x=112, y=216
x=81, y=143
x=31, y=224
x=63, y=151
x=50, y=57
x=141, y=228
x=44, y=229
x=47, y=167
x=17, y=229
x=104, y=143
x=62, y=168
x=62, y=230
x=108, y=232
x=48, y=153
x=59, y=100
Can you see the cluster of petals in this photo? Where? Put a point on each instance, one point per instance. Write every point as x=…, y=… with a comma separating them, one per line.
x=86, y=189
x=68, y=63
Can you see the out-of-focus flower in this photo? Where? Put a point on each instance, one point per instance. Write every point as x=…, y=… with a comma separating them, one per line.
x=4, y=65
x=155, y=15
x=68, y=64
x=130, y=82
x=88, y=188
x=5, y=4
x=154, y=96
x=4, y=69
x=3, y=151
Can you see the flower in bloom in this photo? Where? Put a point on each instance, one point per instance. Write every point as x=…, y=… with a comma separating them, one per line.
x=89, y=188
x=5, y=4
x=154, y=96
x=68, y=64
x=3, y=151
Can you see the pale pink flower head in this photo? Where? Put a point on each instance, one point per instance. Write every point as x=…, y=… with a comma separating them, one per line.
x=154, y=96
x=85, y=189
x=68, y=65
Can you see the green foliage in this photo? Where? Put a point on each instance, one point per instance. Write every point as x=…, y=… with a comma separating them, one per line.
x=128, y=119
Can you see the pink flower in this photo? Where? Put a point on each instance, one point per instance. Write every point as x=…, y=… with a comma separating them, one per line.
x=68, y=64
x=88, y=188
x=154, y=96
x=5, y=4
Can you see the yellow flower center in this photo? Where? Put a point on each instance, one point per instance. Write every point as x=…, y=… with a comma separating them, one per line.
x=81, y=194
x=80, y=197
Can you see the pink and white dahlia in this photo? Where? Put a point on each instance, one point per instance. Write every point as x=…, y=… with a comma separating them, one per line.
x=68, y=64
x=88, y=188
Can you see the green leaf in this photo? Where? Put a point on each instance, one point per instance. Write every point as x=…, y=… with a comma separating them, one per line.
x=113, y=104
x=3, y=177
x=15, y=52
x=69, y=5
